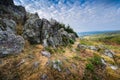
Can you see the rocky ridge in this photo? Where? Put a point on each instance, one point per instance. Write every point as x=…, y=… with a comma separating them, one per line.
x=33, y=29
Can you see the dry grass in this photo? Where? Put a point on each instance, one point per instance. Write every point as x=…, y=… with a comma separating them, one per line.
x=73, y=61
x=112, y=74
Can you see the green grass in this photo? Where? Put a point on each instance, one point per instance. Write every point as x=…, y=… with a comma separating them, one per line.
x=90, y=67
x=108, y=38
x=96, y=60
x=86, y=42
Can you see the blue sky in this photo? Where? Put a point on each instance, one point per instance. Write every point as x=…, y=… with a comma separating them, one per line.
x=81, y=15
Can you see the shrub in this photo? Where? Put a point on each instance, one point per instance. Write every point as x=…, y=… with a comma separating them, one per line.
x=90, y=66
x=96, y=60
x=71, y=41
x=49, y=50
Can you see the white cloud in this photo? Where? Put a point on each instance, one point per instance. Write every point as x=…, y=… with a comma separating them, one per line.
x=87, y=17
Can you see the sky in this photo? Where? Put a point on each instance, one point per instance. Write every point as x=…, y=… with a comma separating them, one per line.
x=81, y=15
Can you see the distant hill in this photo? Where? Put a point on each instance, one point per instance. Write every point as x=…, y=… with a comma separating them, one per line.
x=82, y=34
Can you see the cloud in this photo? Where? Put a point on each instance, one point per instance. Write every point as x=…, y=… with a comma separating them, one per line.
x=82, y=15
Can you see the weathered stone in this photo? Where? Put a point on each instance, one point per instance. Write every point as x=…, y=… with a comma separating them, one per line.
x=93, y=48
x=36, y=64
x=103, y=61
x=6, y=2
x=114, y=67
x=44, y=77
x=7, y=25
x=10, y=11
x=46, y=54
x=80, y=46
x=57, y=65
x=109, y=53
x=10, y=43
x=32, y=30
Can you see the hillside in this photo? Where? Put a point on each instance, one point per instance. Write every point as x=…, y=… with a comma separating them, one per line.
x=32, y=48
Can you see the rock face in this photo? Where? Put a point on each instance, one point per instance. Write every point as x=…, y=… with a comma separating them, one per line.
x=11, y=11
x=31, y=29
x=35, y=30
x=48, y=33
x=10, y=43
x=7, y=25
x=6, y=2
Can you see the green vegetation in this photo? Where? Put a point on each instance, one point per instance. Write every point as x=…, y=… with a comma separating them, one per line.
x=77, y=58
x=55, y=50
x=86, y=42
x=90, y=66
x=67, y=28
x=96, y=60
x=70, y=30
x=107, y=38
x=71, y=41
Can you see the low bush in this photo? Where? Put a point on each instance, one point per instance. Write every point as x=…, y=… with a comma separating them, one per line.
x=90, y=66
x=71, y=41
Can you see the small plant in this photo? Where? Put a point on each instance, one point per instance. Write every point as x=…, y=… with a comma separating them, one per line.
x=96, y=60
x=71, y=41
x=90, y=66
x=49, y=50
x=77, y=57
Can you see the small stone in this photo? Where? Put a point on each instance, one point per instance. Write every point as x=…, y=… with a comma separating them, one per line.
x=93, y=48
x=114, y=67
x=103, y=61
x=21, y=62
x=46, y=54
x=57, y=65
x=109, y=53
x=36, y=64
x=68, y=71
x=81, y=46
x=44, y=77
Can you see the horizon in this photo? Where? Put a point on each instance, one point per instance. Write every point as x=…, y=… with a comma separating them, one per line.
x=81, y=15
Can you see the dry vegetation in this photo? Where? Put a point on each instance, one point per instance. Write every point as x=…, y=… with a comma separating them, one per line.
x=76, y=64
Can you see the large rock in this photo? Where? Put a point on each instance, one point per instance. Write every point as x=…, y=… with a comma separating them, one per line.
x=6, y=2
x=7, y=25
x=10, y=43
x=32, y=30
x=109, y=53
x=81, y=46
x=11, y=11
x=48, y=33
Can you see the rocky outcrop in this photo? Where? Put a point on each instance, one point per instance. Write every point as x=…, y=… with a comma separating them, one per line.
x=10, y=43
x=35, y=30
x=31, y=30
x=7, y=25
x=6, y=2
x=10, y=11
x=48, y=33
